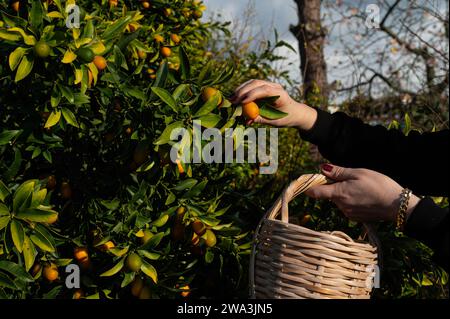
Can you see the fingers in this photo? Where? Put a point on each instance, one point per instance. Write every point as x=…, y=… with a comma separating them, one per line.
x=243, y=84
x=337, y=173
x=322, y=191
x=242, y=92
x=256, y=93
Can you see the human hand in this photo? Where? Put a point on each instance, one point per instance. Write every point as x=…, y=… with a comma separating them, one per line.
x=362, y=194
x=299, y=115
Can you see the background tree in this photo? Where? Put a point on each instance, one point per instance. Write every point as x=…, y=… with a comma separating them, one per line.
x=311, y=41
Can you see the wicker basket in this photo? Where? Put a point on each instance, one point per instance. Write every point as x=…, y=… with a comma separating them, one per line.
x=291, y=261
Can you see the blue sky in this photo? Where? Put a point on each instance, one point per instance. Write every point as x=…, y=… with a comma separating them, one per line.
x=347, y=69
x=269, y=14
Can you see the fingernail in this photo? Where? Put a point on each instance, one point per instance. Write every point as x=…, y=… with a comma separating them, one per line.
x=327, y=167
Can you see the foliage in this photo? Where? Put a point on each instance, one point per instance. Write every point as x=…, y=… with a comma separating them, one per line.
x=90, y=144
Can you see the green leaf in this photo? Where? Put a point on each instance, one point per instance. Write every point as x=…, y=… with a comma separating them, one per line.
x=16, y=56
x=17, y=234
x=117, y=27
x=48, y=156
x=111, y=204
x=187, y=183
x=25, y=67
x=166, y=97
x=127, y=279
x=204, y=72
x=170, y=199
x=146, y=166
x=69, y=117
x=150, y=271
x=23, y=192
x=209, y=106
x=13, y=20
x=124, y=41
x=271, y=113
x=52, y=294
x=135, y=93
x=196, y=190
x=38, y=214
x=15, y=166
x=89, y=29
x=184, y=64
x=221, y=211
x=4, y=219
x=210, y=120
x=67, y=93
x=6, y=282
x=180, y=90
x=114, y=270
x=45, y=233
x=38, y=197
x=153, y=242
x=149, y=255
x=210, y=221
x=69, y=57
x=42, y=242
x=36, y=152
x=36, y=14
x=165, y=135
x=53, y=119
x=7, y=135
x=407, y=128
x=4, y=191
x=161, y=76
x=55, y=97
x=29, y=253
x=16, y=270
x=4, y=211
x=119, y=58
x=8, y=36
x=28, y=39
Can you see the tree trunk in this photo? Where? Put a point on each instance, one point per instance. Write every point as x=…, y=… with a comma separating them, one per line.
x=311, y=40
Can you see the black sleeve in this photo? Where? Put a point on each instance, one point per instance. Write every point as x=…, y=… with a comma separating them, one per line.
x=430, y=224
x=417, y=161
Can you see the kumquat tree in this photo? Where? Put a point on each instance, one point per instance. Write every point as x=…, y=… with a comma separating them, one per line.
x=86, y=176
x=97, y=199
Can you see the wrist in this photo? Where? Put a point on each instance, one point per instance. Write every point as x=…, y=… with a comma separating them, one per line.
x=407, y=203
x=306, y=116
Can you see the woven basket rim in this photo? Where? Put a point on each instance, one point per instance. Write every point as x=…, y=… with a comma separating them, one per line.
x=325, y=234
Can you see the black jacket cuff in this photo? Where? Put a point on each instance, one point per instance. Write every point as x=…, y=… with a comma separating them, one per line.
x=425, y=219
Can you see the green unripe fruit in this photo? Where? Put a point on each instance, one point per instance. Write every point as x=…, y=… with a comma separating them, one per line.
x=86, y=55
x=42, y=49
x=134, y=262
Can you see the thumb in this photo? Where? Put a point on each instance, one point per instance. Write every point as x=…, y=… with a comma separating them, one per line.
x=261, y=120
x=322, y=191
x=337, y=173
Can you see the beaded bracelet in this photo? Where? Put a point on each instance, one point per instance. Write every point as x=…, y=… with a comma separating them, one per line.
x=401, y=215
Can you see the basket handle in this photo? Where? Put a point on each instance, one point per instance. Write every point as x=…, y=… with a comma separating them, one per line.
x=296, y=187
